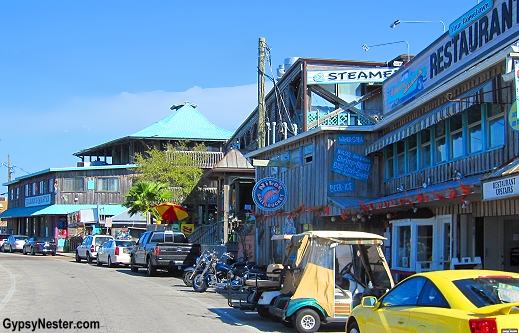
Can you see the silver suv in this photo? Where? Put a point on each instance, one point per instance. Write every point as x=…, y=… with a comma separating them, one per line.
x=88, y=248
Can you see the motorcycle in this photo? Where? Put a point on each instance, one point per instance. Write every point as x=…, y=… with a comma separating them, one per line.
x=190, y=272
x=217, y=274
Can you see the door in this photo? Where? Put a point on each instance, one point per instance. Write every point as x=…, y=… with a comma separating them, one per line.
x=511, y=245
x=443, y=242
x=140, y=249
x=494, y=257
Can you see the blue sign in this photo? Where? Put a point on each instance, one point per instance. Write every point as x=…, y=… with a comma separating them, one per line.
x=411, y=83
x=341, y=187
x=269, y=194
x=470, y=17
x=351, y=139
x=351, y=165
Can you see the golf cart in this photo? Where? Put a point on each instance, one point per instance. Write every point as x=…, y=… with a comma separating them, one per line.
x=260, y=288
x=326, y=274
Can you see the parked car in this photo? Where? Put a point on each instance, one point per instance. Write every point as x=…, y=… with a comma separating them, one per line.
x=115, y=252
x=461, y=301
x=41, y=245
x=88, y=248
x=14, y=243
x=165, y=249
x=3, y=238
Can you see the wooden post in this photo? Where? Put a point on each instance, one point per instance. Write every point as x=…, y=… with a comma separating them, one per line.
x=225, y=214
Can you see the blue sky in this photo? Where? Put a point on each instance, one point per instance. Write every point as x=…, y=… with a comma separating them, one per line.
x=75, y=74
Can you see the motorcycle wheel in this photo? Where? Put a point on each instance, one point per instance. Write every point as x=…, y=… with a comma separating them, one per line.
x=188, y=277
x=199, y=283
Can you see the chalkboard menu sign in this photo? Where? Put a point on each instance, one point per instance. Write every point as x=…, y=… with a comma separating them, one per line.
x=352, y=165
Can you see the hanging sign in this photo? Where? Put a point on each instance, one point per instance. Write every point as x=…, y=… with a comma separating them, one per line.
x=269, y=194
x=352, y=165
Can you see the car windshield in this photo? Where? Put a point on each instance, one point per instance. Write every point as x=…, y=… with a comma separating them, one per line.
x=489, y=290
x=102, y=240
x=20, y=237
x=125, y=243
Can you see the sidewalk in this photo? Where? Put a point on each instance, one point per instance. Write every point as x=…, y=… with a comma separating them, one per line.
x=66, y=254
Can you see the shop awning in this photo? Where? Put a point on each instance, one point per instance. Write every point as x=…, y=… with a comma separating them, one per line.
x=425, y=121
x=59, y=210
x=20, y=212
x=420, y=197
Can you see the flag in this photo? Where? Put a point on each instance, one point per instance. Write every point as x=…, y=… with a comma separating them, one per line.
x=464, y=189
x=364, y=207
x=452, y=193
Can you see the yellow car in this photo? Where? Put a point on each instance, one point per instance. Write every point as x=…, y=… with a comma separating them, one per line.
x=461, y=301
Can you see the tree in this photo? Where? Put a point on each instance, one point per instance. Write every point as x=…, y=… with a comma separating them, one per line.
x=177, y=166
x=144, y=196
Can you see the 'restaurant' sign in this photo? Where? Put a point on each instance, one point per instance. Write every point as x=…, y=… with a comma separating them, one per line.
x=501, y=188
x=269, y=194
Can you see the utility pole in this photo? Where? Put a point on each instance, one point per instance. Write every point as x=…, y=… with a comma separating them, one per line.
x=261, y=93
x=9, y=168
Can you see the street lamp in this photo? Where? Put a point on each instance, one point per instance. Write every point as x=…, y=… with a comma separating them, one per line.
x=394, y=24
x=366, y=47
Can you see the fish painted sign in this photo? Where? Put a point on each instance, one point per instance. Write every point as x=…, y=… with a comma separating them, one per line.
x=269, y=194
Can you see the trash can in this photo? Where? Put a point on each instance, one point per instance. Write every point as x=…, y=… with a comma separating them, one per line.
x=66, y=247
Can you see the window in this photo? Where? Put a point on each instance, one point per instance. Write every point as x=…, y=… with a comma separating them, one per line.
x=51, y=185
x=425, y=245
x=412, y=162
x=456, y=130
x=496, y=126
x=34, y=188
x=308, y=153
x=17, y=193
x=41, y=186
x=390, y=171
x=295, y=157
x=404, y=246
x=425, y=148
x=400, y=158
x=405, y=294
x=440, y=151
x=73, y=184
x=108, y=184
x=12, y=194
x=475, y=140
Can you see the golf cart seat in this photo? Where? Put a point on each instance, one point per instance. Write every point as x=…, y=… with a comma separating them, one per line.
x=273, y=279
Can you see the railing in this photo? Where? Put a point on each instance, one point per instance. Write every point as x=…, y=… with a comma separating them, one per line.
x=206, y=234
x=203, y=159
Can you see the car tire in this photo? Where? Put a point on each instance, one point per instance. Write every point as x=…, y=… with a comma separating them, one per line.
x=150, y=269
x=353, y=327
x=53, y=254
x=110, y=264
x=89, y=259
x=307, y=321
x=3, y=248
x=98, y=262
x=133, y=267
x=78, y=258
x=32, y=251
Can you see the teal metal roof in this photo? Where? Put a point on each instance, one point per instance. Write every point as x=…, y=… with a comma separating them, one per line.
x=184, y=123
x=59, y=210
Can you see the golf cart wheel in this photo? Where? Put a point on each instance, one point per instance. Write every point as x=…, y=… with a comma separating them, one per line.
x=307, y=321
x=263, y=311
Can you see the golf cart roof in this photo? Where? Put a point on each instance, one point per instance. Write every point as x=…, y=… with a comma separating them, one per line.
x=282, y=237
x=343, y=235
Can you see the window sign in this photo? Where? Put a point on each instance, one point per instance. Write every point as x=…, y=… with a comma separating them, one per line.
x=351, y=139
x=351, y=165
x=91, y=185
x=341, y=187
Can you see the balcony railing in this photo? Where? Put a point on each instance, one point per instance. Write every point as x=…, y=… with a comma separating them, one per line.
x=204, y=160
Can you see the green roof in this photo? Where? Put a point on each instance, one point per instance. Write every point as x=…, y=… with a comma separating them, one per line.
x=184, y=123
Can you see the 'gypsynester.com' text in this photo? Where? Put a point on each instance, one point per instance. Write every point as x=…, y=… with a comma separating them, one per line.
x=43, y=324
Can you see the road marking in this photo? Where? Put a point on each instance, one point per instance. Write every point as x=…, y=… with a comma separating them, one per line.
x=7, y=298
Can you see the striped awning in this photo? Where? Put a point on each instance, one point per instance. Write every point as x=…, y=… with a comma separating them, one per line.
x=425, y=121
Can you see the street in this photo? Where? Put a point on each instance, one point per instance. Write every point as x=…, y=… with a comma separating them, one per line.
x=45, y=293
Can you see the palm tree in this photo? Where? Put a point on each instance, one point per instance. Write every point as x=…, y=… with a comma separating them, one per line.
x=144, y=196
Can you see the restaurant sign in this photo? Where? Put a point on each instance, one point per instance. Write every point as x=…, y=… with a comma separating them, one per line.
x=501, y=188
x=350, y=75
x=269, y=194
x=40, y=200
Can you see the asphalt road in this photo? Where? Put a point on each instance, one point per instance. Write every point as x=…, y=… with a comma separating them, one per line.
x=59, y=295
